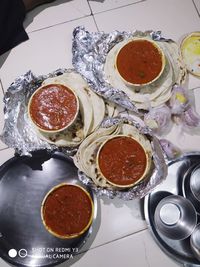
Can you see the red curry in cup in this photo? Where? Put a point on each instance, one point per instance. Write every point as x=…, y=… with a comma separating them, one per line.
x=122, y=161
x=67, y=211
x=140, y=62
x=53, y=107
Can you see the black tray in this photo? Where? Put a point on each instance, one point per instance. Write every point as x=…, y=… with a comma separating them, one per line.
x=24, y=181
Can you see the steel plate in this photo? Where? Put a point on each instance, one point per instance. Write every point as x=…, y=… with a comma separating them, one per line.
x=177, y=169
x=24, y=181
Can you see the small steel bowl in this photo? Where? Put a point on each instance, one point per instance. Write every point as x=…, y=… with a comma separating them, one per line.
x=191, y=186
x=195, y=183
x=175, y=217
x=195, y=241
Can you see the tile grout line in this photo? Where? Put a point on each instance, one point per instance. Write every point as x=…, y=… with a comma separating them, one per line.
x=5, y=148
x=114, y=240
x=95, y=23
x=115, y=8
x=58, y=24
x=1, y=84
x=196, y=8
x=90, y=7
x=193, y=89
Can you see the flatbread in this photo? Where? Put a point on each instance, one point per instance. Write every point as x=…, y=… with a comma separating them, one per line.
x=86, y=156
x=159, y=91
x=92, y=111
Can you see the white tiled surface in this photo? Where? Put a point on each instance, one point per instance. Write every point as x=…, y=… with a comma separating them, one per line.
x=170, y=17
x=45, y=51
x=135, y=250
x=55, y=13
x=197, y=4
x=121, y=238
x=114, y=214
x=6, y=154
x=101, y=5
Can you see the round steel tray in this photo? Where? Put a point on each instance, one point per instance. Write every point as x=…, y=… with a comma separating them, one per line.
x=24, y=181
x=177, y=169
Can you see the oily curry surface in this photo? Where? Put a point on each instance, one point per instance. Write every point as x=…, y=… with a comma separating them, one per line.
x=53, y=107
x=122, y=160
x=67, y=211
x=139, y=62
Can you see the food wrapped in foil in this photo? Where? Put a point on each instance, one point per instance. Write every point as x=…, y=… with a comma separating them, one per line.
x=18, y=131
x=94, y=56
x=90, y=147
x=20, y=134
x=89, y=61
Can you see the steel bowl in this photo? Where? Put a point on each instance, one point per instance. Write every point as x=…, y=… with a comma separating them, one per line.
x=191, y=186
x=175, y=217
x=195, y=242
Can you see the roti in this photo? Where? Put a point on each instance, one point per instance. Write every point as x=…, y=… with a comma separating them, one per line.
x=92, y=110
x=156, y=93
x=86, y=156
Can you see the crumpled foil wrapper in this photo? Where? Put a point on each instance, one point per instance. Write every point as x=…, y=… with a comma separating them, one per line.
x=18, y=132
x=89, y=56
x=145, y=187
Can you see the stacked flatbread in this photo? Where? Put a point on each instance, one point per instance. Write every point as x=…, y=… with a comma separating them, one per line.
x=93, y=109
x=86, y=156
x=157, y=92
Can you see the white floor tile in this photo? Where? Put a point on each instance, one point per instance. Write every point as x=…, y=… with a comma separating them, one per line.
x=168, y=16
x=103, y=5
x=118, y=218
x=197, y=4
x=135, y=250
x=193, y=81
x=5, y=155
x=3, y=263
x=56, y=12
x=46, y=51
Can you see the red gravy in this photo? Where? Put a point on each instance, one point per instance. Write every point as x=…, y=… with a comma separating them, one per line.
x=139, y=62
x=53, y=107
x=67, y=210
x=122, y=160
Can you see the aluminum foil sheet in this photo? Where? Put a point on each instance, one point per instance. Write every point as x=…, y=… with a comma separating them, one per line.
x=18, y=132
x=145, y=187
x=89, y=56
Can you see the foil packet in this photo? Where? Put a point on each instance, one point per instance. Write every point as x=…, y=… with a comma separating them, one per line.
x=18, y=132
x=89, y=55
x=144, y=187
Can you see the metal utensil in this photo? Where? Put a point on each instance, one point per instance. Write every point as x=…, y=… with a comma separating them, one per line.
x=191, y=186
x=175, y=217
x=195, y=241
